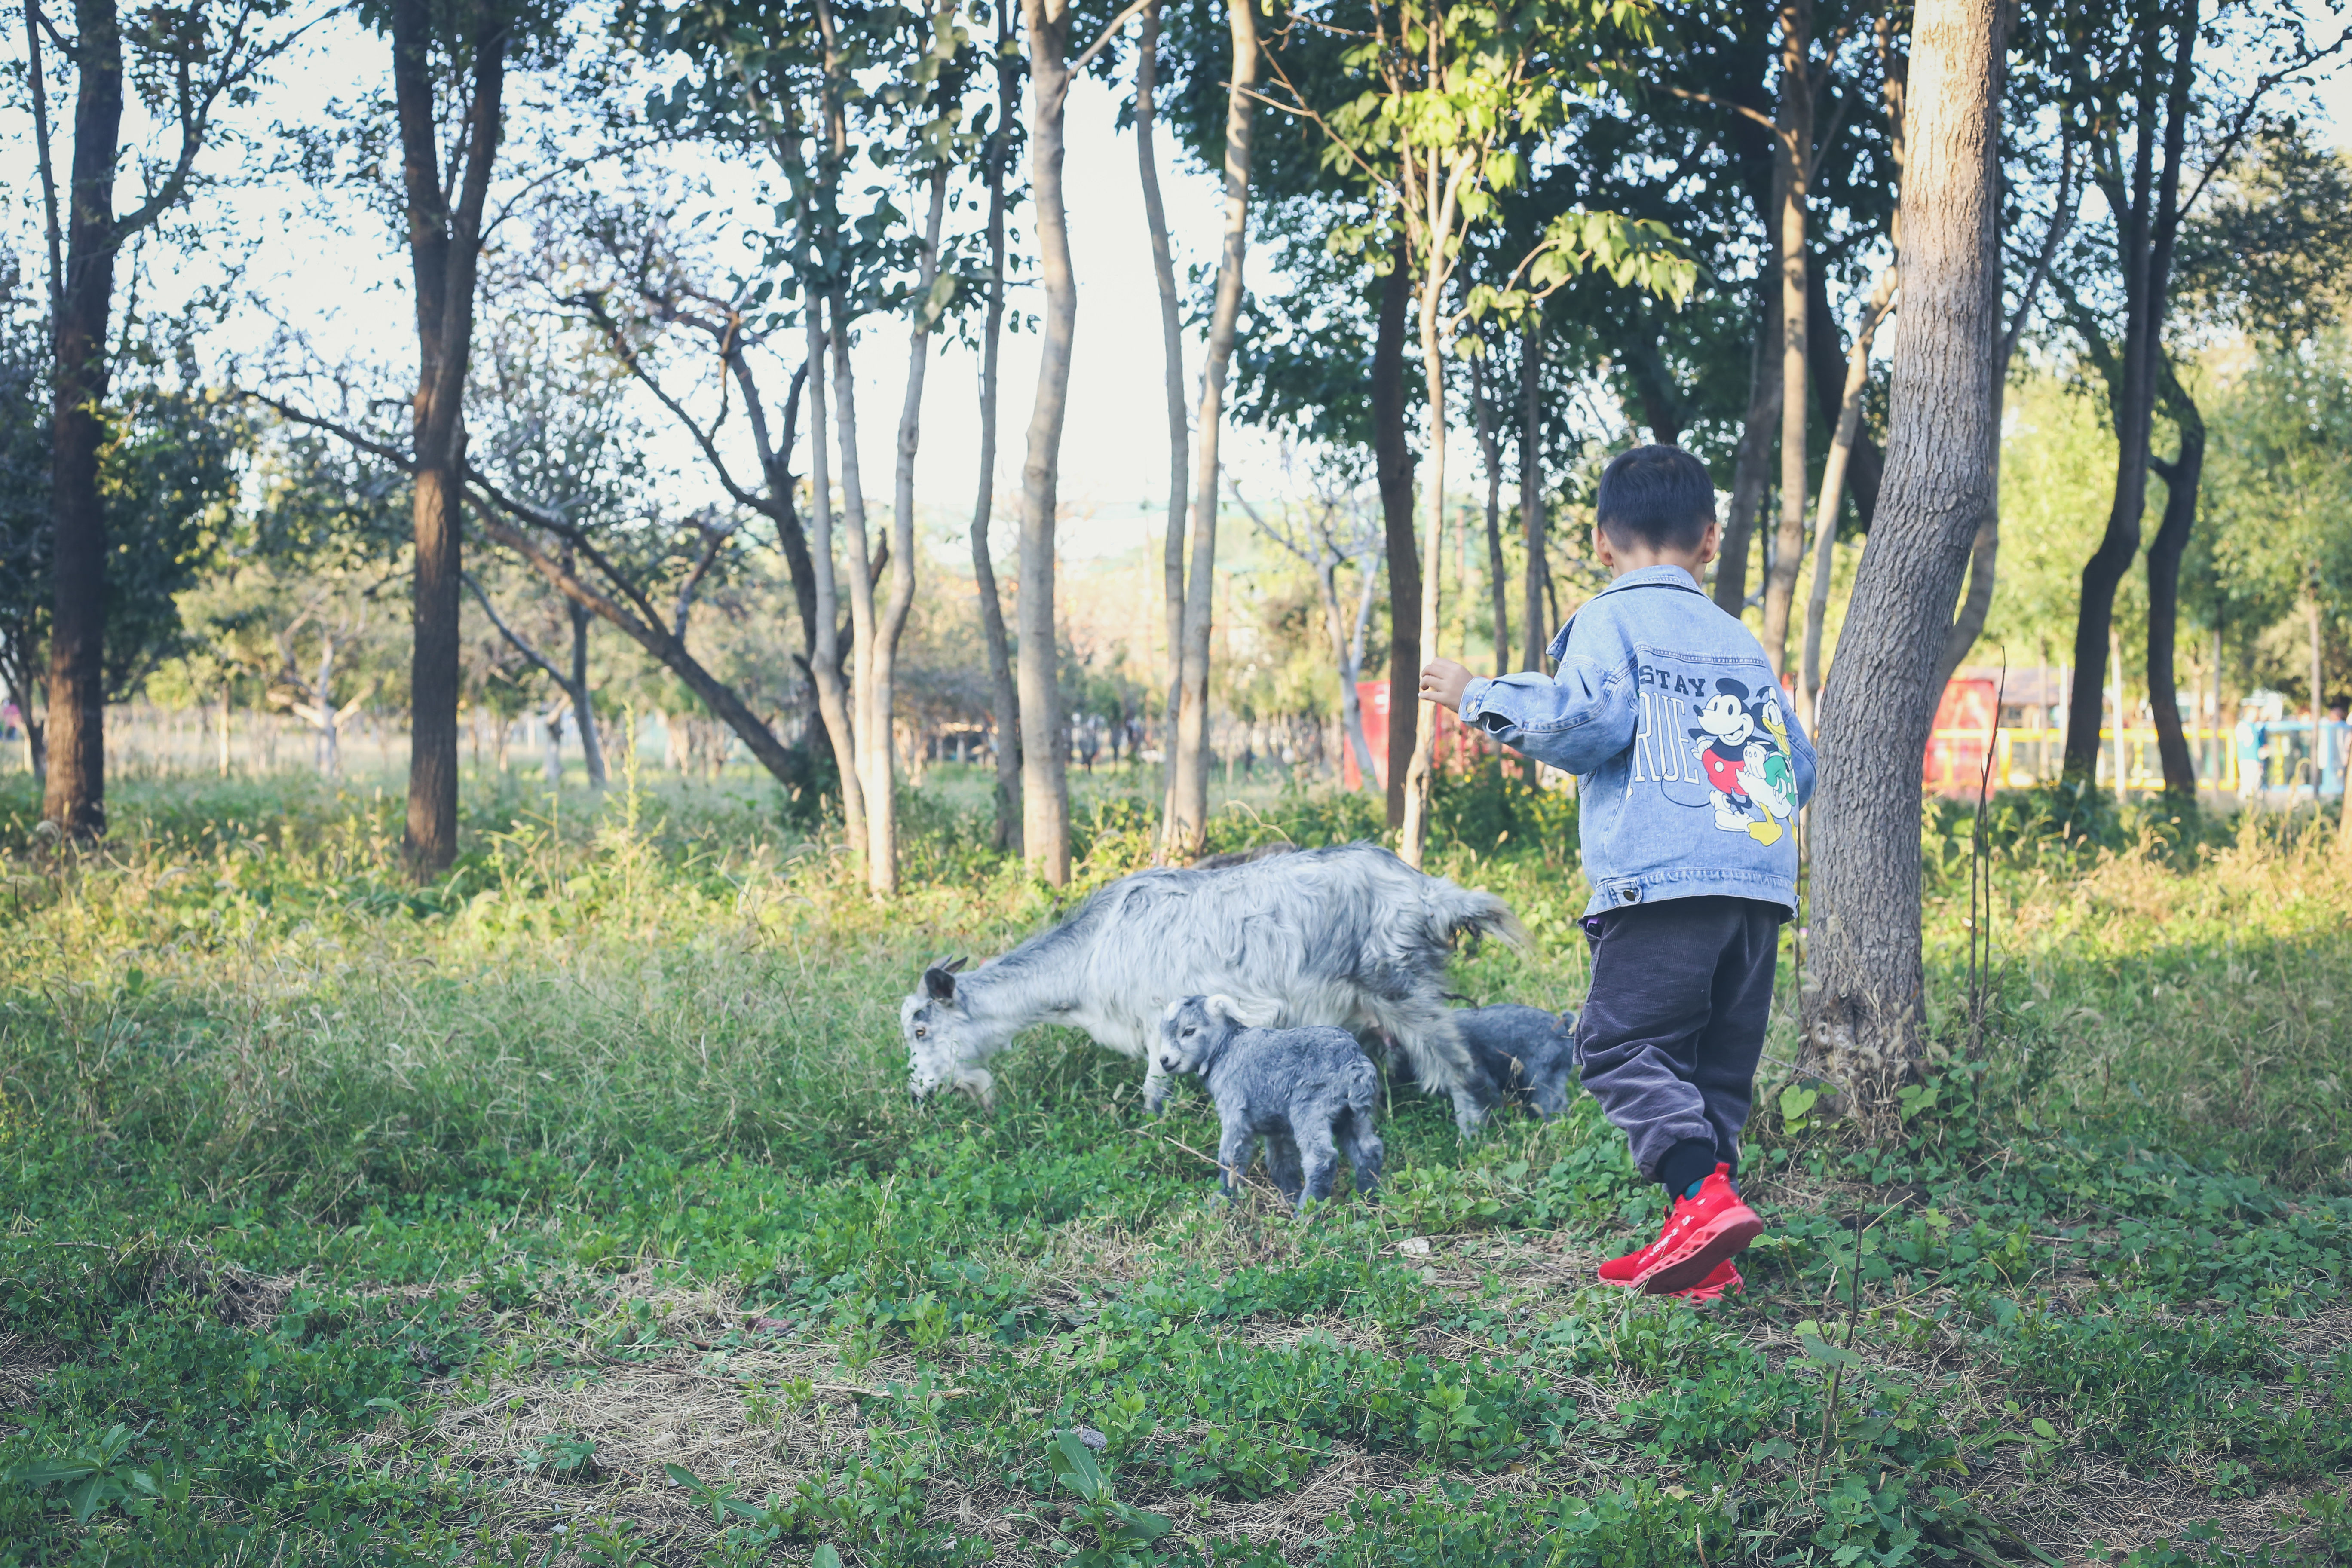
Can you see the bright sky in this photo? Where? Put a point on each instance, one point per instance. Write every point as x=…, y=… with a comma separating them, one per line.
x=336, y=276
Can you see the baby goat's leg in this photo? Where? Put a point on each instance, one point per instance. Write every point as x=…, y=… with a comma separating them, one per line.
x=1365, y=1151
x=1233, y=1156
x=1282, y=1163
x=1155, y=1084
x=1320, y=1160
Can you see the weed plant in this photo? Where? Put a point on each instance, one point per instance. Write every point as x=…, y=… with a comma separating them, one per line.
x=571, y=1211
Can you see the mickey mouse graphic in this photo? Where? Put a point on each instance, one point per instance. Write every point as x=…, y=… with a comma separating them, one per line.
x=1749, y=784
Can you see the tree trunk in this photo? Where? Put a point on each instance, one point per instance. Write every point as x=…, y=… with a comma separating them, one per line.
x=882, y=830
x=322, y=696
x=2319, y=683
x=1864, y=1010
x=1531, y=517
x=73, y=795
x=1045, y=784
x=2180, y=479
x=1171, y=350
x=1833, y=475
x=1350, y=651
x=444, y=247
x=584, y=702
x=1392, y=464
x=1750, y=471
x=832, y=700
x=1490, y=448
x=1413, y=837
x=869, y=728
x=1796, y=136
x=2146, y=223
x=1003, y=699
x=1192, y=815
x=1827, y=355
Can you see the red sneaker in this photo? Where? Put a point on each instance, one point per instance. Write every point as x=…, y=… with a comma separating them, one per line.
x=1626, y=1269
x=1716, y=1286
x=1701, y=1233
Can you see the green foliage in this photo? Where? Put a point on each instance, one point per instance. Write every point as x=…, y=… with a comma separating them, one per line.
x=285, y=1207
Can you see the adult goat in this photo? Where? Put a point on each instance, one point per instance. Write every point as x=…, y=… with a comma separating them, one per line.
x=1349, y=936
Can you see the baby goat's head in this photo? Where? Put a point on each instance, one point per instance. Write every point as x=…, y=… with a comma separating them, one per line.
x=1190, y=1031
x=940, y=1042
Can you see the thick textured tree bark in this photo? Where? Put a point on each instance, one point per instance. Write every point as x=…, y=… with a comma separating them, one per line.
x=1191, y=799
x=1531, y=516
x=1864, y=1011
x=1490, y=448
x=1984, y=562
x=1044, y=785
x=1750, y=466
x=2181, y=477
x=1172, y=355
x=444, y=247
x=882, y=830
x=825, y=668
x=1795, y=126
x=1833, y=479
x=1004, y=700
x=73, y=795
x=1392, y=466
x=2147, y=220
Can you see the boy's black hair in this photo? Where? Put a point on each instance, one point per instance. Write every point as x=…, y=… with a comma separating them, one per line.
x=1658, y=496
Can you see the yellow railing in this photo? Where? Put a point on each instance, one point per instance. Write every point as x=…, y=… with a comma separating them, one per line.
x=2024, y=757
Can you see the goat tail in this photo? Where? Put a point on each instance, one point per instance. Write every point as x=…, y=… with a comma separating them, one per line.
x=1468, y=912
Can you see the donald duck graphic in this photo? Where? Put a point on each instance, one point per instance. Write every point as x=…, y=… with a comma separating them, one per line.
x=1749, y=784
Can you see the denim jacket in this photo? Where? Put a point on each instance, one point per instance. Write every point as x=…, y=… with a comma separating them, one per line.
x=1691, y=765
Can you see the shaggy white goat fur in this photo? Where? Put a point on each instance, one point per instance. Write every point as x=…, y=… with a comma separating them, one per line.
x=1349, y=936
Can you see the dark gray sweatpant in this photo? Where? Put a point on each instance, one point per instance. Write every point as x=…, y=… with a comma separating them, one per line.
x=1682, y=990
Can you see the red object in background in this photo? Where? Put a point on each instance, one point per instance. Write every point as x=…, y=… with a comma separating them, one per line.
x=1964, y=728
x=1457, y=746
x=1372, y=697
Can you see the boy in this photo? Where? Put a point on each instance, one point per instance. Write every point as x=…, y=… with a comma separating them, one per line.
x=1692, y=769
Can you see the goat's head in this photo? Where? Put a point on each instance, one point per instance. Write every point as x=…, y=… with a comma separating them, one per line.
x=940, y=1044
x=1190, y=1031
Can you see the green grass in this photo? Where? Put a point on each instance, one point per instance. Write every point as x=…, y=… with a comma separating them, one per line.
x=571, y=1211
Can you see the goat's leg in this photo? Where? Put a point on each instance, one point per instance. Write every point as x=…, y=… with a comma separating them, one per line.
x=1364, y=1149
x=1551, y=1089
x=1282, y=1163
x=1233, y=1156
x=1155, y=1085
x=1319, y=1162
x=1423, y=1027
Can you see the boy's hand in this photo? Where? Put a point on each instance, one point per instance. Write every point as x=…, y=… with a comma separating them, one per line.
x=1443, y=681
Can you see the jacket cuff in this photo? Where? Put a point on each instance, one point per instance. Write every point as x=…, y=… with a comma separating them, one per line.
x=1474, y=697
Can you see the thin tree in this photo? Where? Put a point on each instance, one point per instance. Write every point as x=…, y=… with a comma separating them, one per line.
x=937, y=138
x=1792, y=130
x=1172, y=347
x=1004, y=699
x=188, y=59
x=1324, y=549
x=1450, y=92
x=1490, y=450
x=2141, y=81
x=445, y=247
x=1833, y=469
x=1044, y=785
x=1531, y=511
x=1864, y=1011
x=1191, y=821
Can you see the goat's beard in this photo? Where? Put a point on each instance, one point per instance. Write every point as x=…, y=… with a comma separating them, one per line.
x=978, y=1083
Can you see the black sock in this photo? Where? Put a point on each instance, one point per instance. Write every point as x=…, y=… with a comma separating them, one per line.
x=1691, y=1160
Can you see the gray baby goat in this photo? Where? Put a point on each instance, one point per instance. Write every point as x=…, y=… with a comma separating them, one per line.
x=1308, y=1093
x=1529, y=1053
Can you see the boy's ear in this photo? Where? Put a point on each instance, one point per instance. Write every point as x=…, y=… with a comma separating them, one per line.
x=1711, y=542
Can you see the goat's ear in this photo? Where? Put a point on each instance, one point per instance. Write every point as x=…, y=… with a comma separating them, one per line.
x=938, y=983
x=1222, y=1008
x=955, y=965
